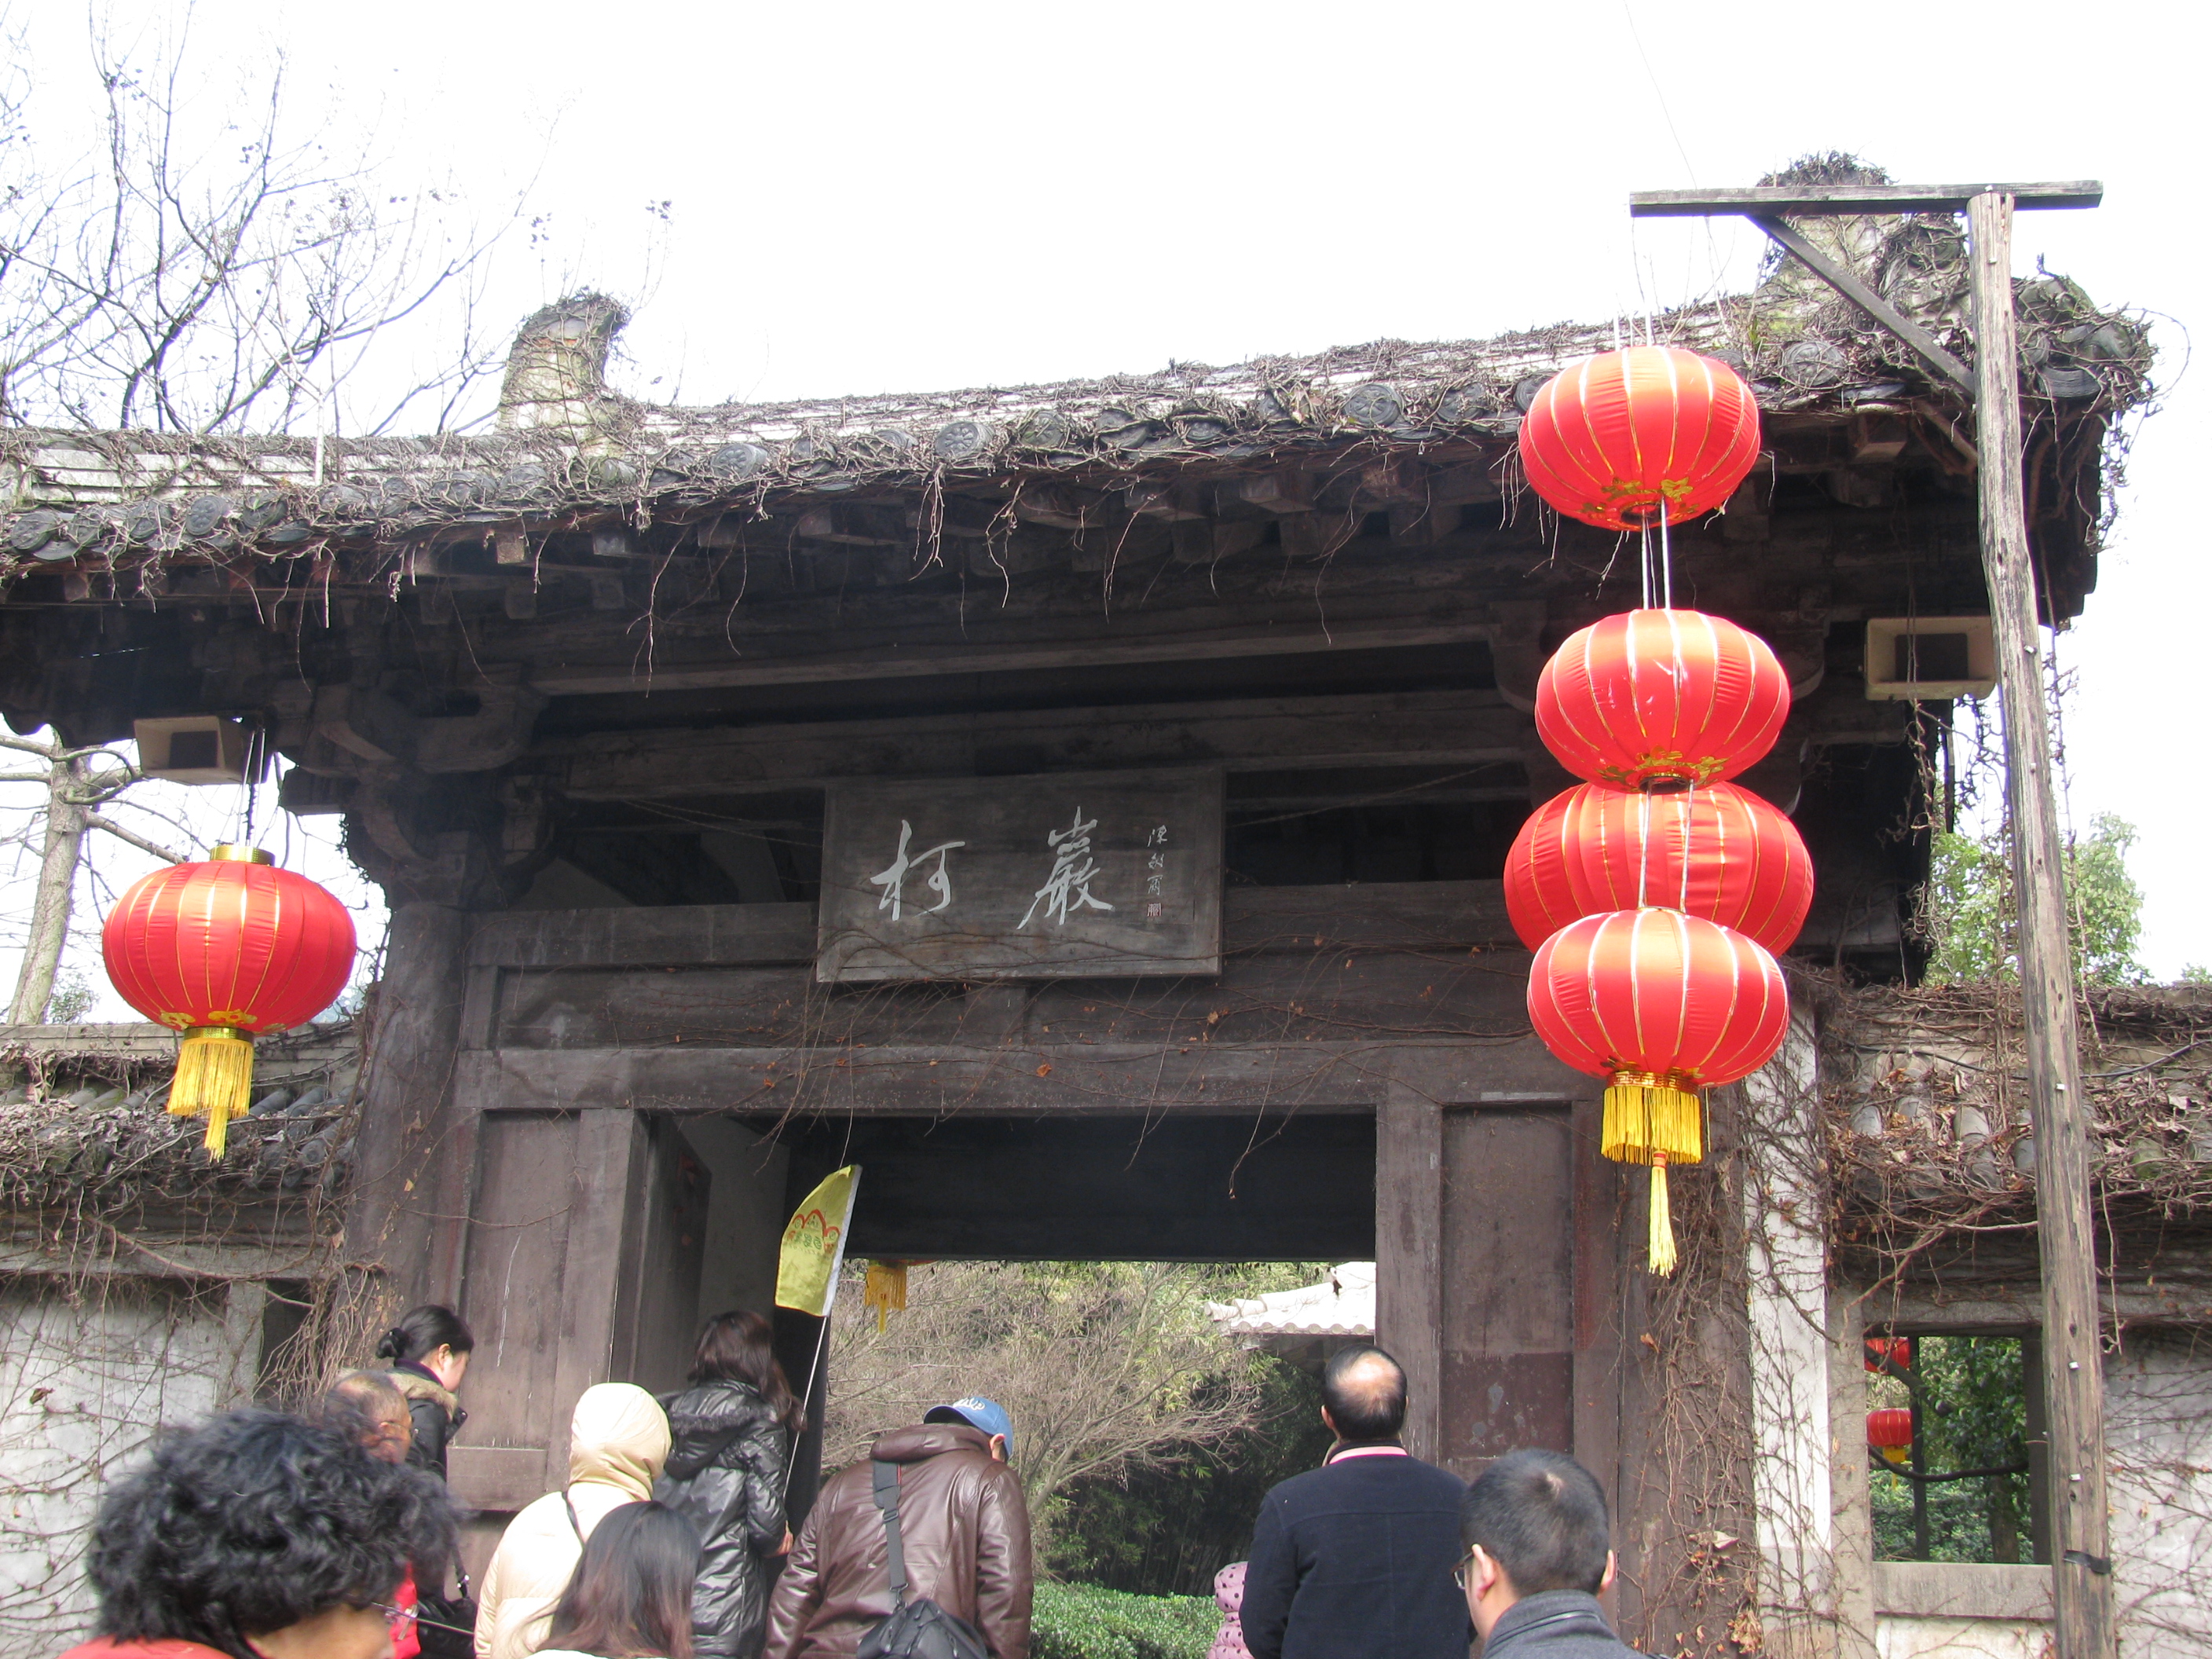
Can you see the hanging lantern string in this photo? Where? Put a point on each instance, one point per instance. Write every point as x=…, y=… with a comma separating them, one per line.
x=1644, y=846
x=1666, y=556
x=1689, y=811
x=256, y=757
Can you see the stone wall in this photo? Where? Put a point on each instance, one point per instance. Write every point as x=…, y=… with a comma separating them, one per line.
x=88, y=1372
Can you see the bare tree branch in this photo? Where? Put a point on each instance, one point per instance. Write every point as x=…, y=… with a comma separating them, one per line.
x=93, y=821
x=213, y=278
x=1106, y=1366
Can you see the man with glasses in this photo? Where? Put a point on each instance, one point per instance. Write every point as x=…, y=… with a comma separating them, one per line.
x=1538, y=1553
x=1354, y=1558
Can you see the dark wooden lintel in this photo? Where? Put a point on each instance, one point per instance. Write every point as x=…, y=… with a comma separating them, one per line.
x=1395, y=916
x=1152, y=643
x=1389, y=729
x=1044, y=1078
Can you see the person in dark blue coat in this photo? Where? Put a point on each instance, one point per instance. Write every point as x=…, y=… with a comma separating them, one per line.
x=1539, y=1554
x=732, y=1433
x=1355, y=1559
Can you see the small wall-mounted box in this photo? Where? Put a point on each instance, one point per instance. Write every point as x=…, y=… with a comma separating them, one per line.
x=1929, y=659
x=195, y=749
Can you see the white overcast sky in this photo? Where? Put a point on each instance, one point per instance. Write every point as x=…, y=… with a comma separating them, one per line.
x=866, y=197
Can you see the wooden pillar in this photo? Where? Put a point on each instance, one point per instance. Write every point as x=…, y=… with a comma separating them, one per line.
x=2081, y=1584
x=1409, y=1157
x=583, y=1267
x=417, y=1152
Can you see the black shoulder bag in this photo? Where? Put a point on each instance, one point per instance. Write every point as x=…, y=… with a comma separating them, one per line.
x=919, y=1629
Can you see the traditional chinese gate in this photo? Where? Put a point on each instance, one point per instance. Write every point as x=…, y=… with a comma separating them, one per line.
x=637, y=1096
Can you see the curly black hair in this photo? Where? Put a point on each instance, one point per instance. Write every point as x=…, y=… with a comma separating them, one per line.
x=253, y=1522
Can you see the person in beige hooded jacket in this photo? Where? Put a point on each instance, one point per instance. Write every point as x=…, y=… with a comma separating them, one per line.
x=617, y=1442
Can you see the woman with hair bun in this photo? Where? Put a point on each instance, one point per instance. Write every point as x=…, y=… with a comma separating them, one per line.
x=429, y=1350
x=428, y=1353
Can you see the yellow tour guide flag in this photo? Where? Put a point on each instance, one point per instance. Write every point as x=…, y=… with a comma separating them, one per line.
x=814, y=1245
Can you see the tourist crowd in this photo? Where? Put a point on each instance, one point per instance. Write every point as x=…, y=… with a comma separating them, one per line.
x=327, y=1534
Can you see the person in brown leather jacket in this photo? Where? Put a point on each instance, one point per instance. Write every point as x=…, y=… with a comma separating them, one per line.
x=964, y=1528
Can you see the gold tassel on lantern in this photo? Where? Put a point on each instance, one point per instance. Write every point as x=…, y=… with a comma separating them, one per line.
x=214, y=1080
x=886, y=1289
x=1655, y=1118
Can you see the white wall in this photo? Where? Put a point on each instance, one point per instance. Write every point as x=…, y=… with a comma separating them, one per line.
x=1787, y=1289
x=1908, y=1637
x=2158, y=1394
x=1820, y=1592
x=88, y=1370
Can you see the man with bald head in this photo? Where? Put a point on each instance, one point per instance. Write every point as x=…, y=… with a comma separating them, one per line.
x=1356, y=1558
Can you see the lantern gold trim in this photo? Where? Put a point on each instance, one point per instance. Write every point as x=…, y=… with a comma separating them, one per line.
x=1655, y=1118
x=214, y=1080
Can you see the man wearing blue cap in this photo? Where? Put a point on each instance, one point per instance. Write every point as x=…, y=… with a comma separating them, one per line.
x=963, y=1540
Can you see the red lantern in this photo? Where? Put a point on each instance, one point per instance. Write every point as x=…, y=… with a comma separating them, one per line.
x=1721, y=852
x=221, y=951
x=1889, y=1431
x=1625, y=439
x=1541, y=895
x=1894, y=1353
x=1661, y=700
x=1659, y=1004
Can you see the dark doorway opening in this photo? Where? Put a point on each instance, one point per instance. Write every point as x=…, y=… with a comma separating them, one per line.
x=1251, y=1188
x=1178, y=1187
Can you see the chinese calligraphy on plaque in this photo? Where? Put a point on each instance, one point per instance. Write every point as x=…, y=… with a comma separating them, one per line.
x=893, y=880
x=1055, y=876
x=1073, y=870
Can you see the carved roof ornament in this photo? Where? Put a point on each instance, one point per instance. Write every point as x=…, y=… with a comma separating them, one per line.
x=556, y=370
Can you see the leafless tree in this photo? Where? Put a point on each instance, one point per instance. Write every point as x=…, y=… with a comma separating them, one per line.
x=1106, y=1367
x=210, y=266
x=205, y=266
x=77, y=783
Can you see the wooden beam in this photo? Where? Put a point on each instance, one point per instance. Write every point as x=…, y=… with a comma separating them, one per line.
x=1388, y=729
x=2082, y=1582
x=1413, y=916
x=2011, y=1309
x=1288, y=491
x=1804, y=200
x=1061, y=1079
x=1948, y=369
x=873, y=662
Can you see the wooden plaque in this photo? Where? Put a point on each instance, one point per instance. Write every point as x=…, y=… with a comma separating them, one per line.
x=1065, y=875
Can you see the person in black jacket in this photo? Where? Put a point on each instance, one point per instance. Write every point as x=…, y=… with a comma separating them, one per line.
x=1538, y=1556
x=1355, y=1559
x=732, y=1430
x=429, y=1350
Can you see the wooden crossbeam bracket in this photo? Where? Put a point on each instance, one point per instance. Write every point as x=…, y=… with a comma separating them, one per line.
x=1805, y=201
x=1948, y=367
x=2082, y=1587
x=1765, y=206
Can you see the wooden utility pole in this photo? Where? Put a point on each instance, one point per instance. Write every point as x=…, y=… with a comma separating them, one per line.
x=2074, y=1386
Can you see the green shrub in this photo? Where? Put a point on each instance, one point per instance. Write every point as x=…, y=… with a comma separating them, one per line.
x=1082, y=1621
